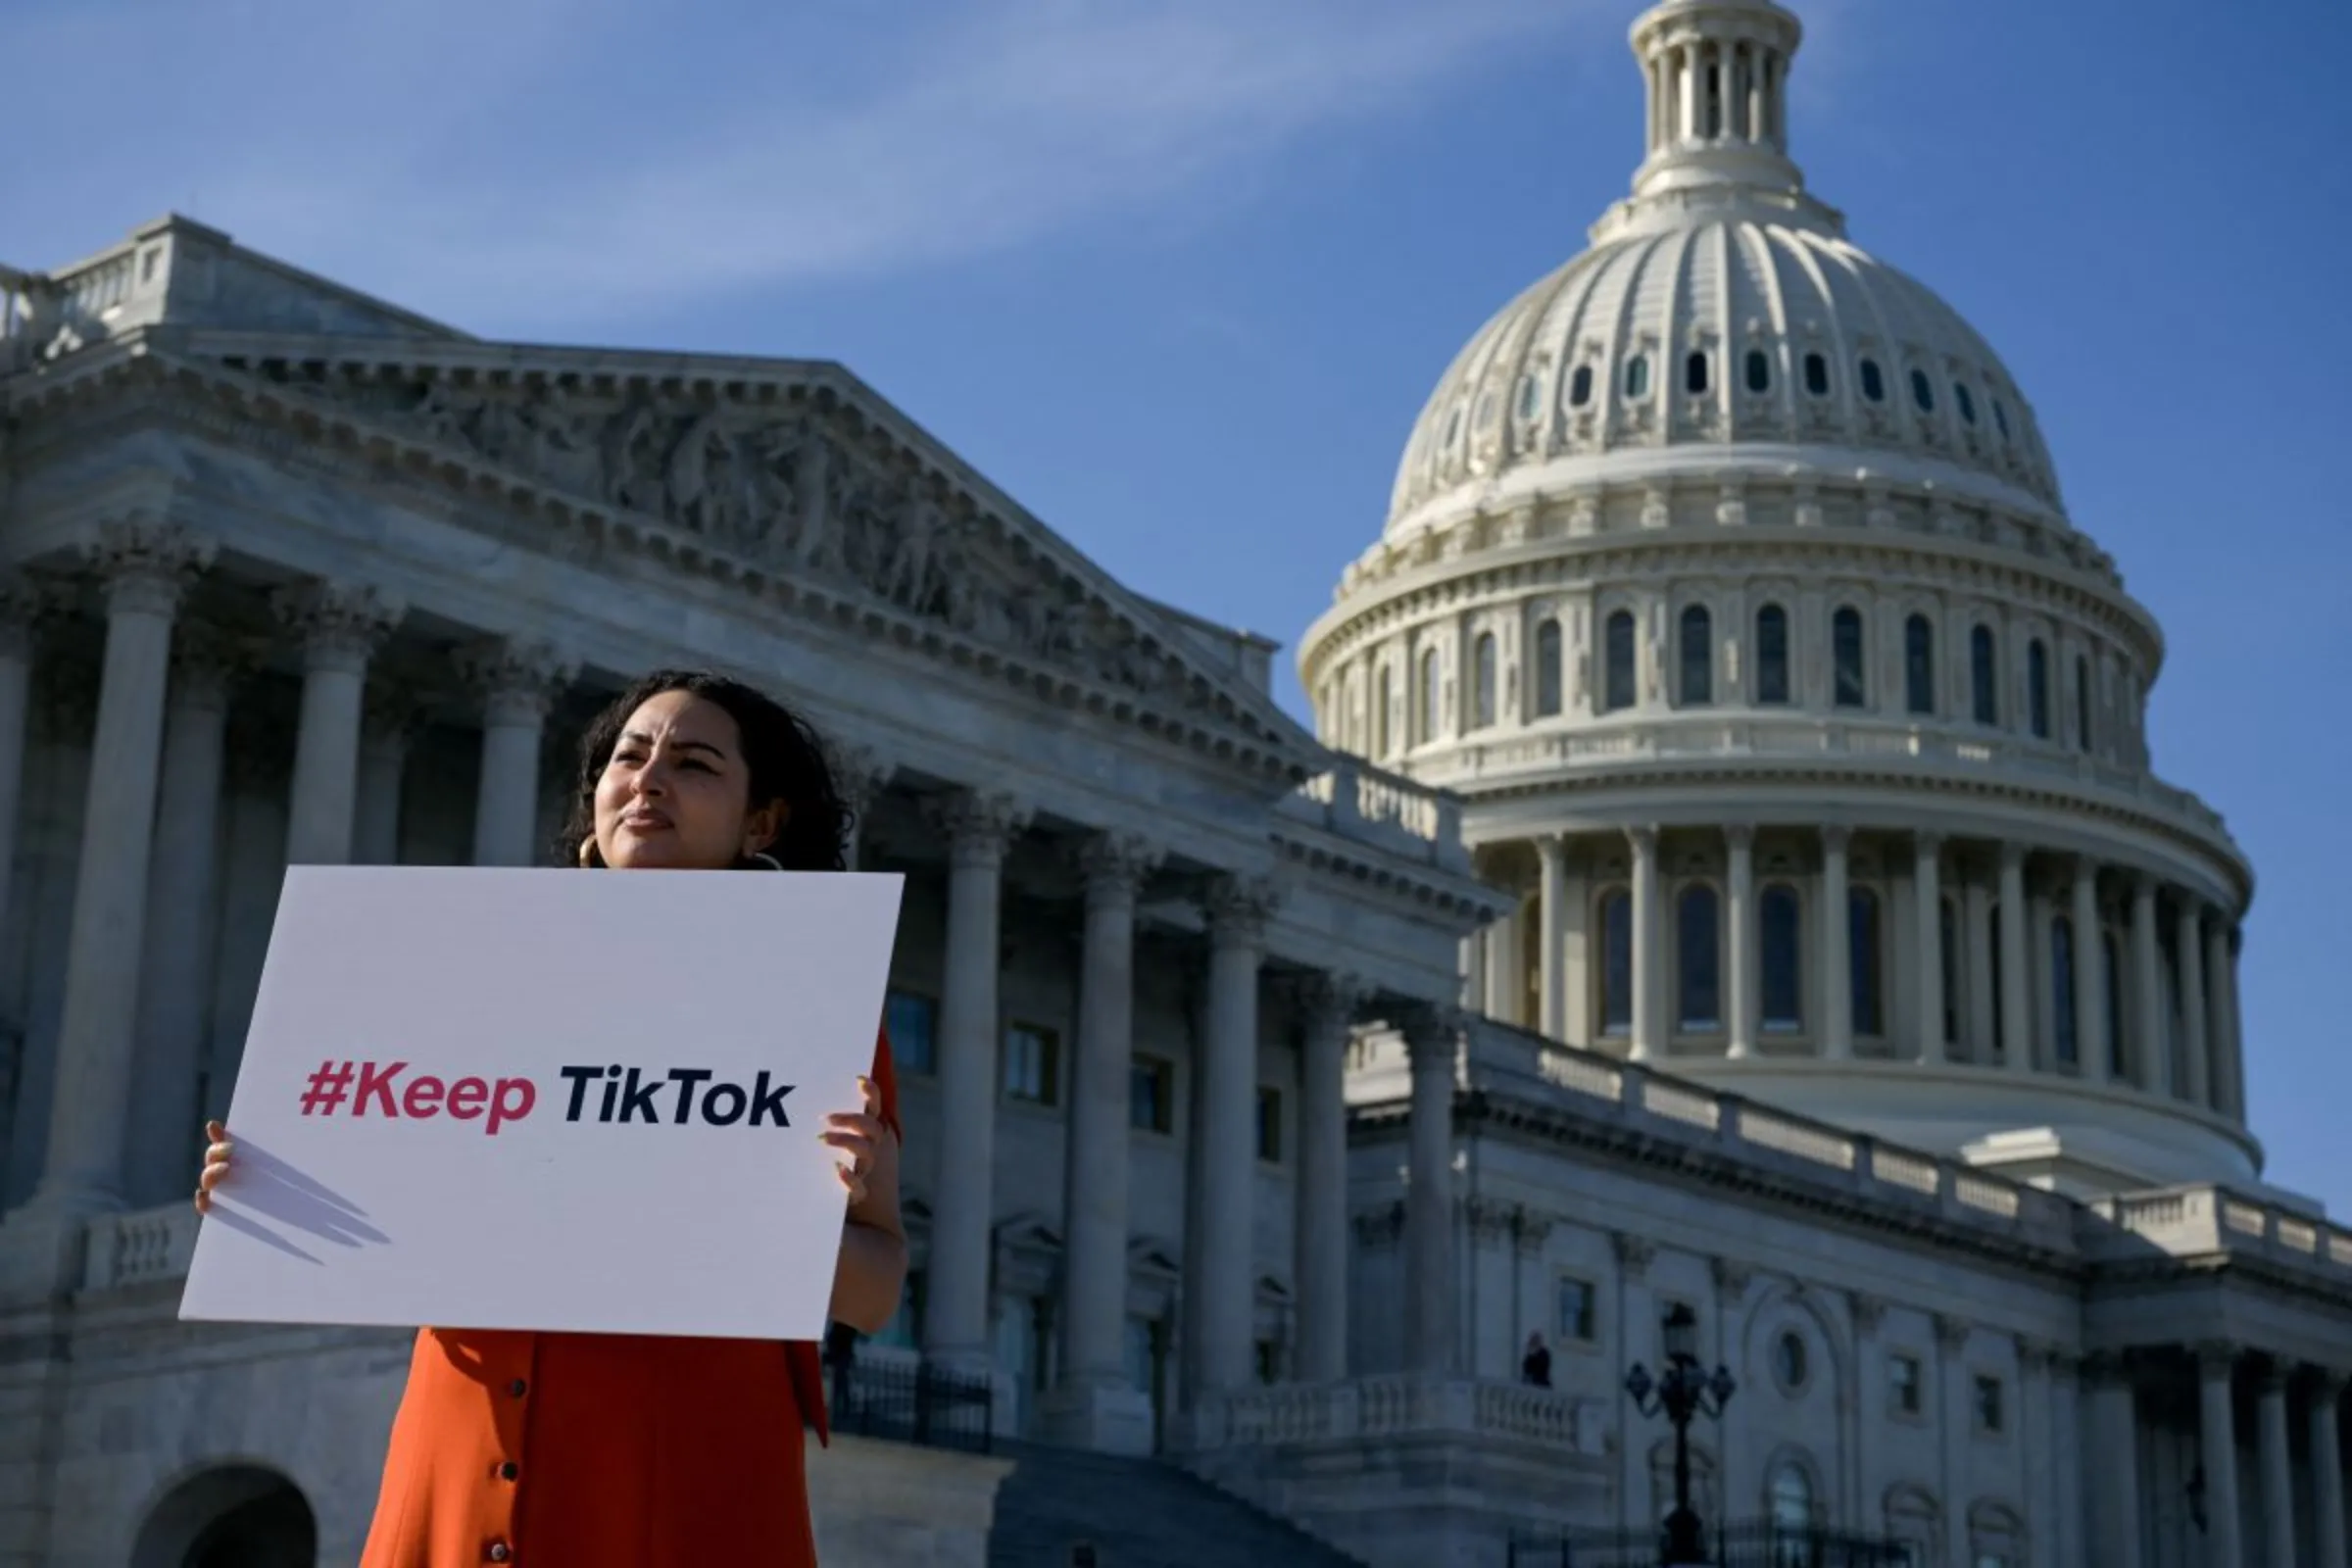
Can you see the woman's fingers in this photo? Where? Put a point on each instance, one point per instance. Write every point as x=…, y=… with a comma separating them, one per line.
x=216, y=1165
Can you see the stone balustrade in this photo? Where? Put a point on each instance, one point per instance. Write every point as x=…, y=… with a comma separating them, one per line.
x=141, y=1247
x=1373, y=805
x=1397, y=1406
x=2206, y=1219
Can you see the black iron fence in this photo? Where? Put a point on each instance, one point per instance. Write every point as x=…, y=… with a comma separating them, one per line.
x=912, y=1402
x=1749, y=1543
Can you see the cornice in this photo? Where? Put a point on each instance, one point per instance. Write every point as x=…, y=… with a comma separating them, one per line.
x=1461, y=899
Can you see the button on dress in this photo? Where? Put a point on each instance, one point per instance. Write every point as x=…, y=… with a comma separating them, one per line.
x=603, y=1451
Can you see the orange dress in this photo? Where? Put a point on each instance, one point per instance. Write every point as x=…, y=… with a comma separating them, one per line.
x=603, y=1451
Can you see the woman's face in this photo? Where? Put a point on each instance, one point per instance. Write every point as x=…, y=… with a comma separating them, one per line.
x=675, y=794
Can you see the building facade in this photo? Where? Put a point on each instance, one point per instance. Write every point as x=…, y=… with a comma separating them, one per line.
x=1727, y=874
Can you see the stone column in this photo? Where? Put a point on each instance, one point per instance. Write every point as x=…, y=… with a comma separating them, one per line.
x=861, y=775
x=1740, y=940
x=1552, y=966
x=519, y=682
x=390, y=725
x=2326, y=1389
x=2113, y=1455
x=2067, y=1451
x=2217, y=1447
x=1221, y=1295
x=1980, y=1010
x=147, y=566
x=2017, y=974
x=1649, y=966
x=1837, y=946
x=340, y=625
x=979, y=829
x=2152, y=1047
x=23, y=605
x=2091, y=976
x=1328, y=1004
x=2188, y=953
x=2220, y=998
x=183, y=888
x=1094, y=1406
x=1505, y=978
x=2278, y=1476
x=1433, y=1038
x=1929, y=935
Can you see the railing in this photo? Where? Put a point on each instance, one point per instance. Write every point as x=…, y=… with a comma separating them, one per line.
x=916, y=1402
x=1397, y=1405
x=1358, y=801
x=1743, y=1544
x=145, y=1246
x=2190, y=1220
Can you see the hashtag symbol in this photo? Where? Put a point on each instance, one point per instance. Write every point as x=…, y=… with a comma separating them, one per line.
x=328, y=1087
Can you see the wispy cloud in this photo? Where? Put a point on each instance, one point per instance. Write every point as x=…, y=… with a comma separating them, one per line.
x=522, y=160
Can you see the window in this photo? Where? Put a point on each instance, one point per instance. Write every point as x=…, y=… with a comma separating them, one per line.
x=1868, y=998
x=1617, y=656
x=1984, y=676
x=1266, y=1361
x=1453, y=425
x=1780, y=952
x=1548, y=670
x=1905, y=1394
x=1580, y=386
x=1484, y=678
x=2082, y=702
x=1531, y=396
x=1874, y=385
x=1382, y=696
x=1151, y=1095
x=2001, y=419
x=1032, y=1063
x=1790, y=1499
x=1947, y=931
x=1987, y=1406
x=1694, y=375
x=1846, y=647
x=1966, y=404
x=1759, y=370
x=1919, y=666
x=1637, y=376
x=1817, y=376
x=1790, y=1362
x=1575, y=1311
x=1269, y=1124
x=1697, y=947
x=2062, y=991
x=1772, y=654
x=1425, y=722
x=1616, y=962
x=2000, y=1013
x=2038, y=688
x=913, y=1023
x=2111, y=969
x=1485, y=410
x=1696, y=679
x=1923, y=392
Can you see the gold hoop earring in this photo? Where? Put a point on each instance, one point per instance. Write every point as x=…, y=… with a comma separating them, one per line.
x=761, y=858
x=588, y=852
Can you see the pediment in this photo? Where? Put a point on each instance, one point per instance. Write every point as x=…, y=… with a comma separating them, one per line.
x=799, y=474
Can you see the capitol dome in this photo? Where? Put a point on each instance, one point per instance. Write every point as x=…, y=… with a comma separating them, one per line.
x=1727, y=580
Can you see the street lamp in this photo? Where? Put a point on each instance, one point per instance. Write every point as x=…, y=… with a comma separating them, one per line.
x=1685, y=1390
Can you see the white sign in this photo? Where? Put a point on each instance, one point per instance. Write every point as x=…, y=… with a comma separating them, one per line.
x=548, y=1100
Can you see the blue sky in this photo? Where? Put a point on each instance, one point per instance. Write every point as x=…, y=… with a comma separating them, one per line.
x=1178, y=274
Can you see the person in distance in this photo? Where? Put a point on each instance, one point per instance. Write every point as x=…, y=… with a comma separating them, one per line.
x=594, y=1450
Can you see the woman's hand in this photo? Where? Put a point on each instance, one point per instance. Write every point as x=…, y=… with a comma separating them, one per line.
x=215, y=1166
x=857, y=1134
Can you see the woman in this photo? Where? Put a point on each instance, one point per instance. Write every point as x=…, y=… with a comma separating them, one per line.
x=594, y=1450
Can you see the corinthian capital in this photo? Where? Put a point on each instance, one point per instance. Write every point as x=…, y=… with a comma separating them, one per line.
x=1238, y=908
x=27, y=605
x=980, y=825
x=146, y=563
x=518, y=677
x=1115, y=864
x=340, y=625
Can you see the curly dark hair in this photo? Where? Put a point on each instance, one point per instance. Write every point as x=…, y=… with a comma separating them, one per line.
x=787, y=759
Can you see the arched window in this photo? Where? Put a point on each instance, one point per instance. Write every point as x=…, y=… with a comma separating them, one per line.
x=1984, y=676
x=1548, y=668
x=1695, y=373
x=1922, y=391
x=1919, y=666
x=1846, y=649
x=2111, y=970
x=1616, y=962
x=1789, y=1498
x=2062, y=991
x=1425, y=722
x=1772, y=654
x=1869, y=996
x=1697, y=681
x=1381, y=697
x=1782, y=952
x=1759, y=370
x=1486, y=678
x=2082, y=702
x=1485, y=410
x=2000, y=417
x=1637, y=376
x=1580, y=386
x=1947, y=931
x=1453, y=425
x=1698, y=950
x=1817, y=376
x=1966, y=404
x=1874, y=384
x=1617, y=656
x=2038, y=688
x=1531, y=396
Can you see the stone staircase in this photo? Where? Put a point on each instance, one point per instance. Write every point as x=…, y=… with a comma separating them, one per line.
x=1136, y=1513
